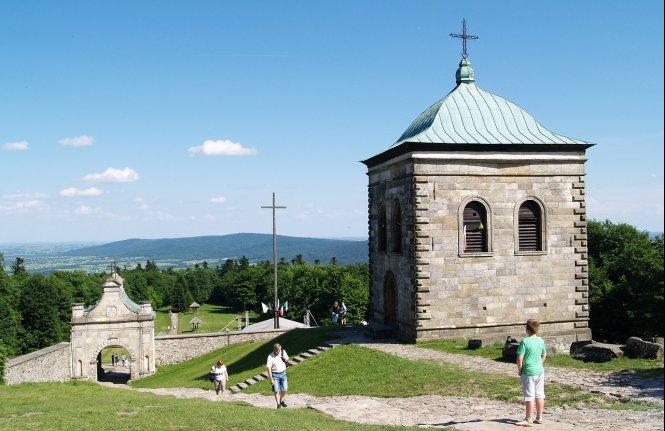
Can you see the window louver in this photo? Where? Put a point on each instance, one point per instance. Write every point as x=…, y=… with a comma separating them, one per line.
x=529, y=227
x=383, y=234
x=475, y=228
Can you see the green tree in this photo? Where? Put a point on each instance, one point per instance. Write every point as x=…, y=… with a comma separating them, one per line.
x=40, y=311
x=9, y=316
x=4, y=353
x=625, y=282
x=180, y=299
x=19, y=266
x=355, y=295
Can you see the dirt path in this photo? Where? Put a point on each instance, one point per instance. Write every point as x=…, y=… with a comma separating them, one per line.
x=620, y=385
x=461, y=413
x=465, y=413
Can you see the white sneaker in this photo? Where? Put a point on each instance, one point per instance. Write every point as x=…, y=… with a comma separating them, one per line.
x=526, y=422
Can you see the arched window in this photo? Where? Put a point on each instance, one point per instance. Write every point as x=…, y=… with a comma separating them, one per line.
x=530, y=224
x=396, y=228
x=383, y=234
x=474, y=228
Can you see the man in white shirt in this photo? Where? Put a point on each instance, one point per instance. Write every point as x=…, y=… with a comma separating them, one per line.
x=276, y=364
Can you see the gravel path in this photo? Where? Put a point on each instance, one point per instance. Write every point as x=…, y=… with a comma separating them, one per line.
x=465, y=413
x=620, y=385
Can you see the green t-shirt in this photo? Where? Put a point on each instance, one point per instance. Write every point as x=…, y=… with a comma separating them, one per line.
x=532, y=348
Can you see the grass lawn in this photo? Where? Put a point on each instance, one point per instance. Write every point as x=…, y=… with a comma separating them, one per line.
x=243, y=360
x=214, y=317
x=644, y=367
x=352, y=370
x=87, y=406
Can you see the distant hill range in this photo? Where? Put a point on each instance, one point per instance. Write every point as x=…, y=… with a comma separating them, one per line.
x=255, y=246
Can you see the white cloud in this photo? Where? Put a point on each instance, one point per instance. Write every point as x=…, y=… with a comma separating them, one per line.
x=86, y=210
x=141, y=203
x=73, y=191
x=23, y=196
x=79, y=141
x=19, y=206
x=218, y=200
x=112, y=175
x=221, y=148
x=15, y=146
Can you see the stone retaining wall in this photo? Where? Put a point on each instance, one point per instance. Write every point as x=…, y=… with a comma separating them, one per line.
x=51, y=364
x=173, y=349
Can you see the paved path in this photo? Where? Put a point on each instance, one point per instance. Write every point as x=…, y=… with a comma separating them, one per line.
x=466, y=413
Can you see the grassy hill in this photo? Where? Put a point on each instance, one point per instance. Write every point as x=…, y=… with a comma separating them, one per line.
x=256, y=247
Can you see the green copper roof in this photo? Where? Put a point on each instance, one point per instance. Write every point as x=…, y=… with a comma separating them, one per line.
x=471, y=115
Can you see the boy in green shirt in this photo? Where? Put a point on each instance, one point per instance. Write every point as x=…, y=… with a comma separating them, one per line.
x=531, y=354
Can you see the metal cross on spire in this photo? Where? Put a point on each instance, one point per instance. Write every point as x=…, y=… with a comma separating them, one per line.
x=464, y=36
x=274, y=259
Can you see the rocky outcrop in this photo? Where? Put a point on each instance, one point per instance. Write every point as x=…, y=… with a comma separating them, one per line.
x=639, y=348
x=509, y=352
x=598, y=352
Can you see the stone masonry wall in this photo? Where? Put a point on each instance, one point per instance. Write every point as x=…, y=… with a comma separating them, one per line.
x=173, y=349
x=456, y=294
x=51, y=364
x=393, y=184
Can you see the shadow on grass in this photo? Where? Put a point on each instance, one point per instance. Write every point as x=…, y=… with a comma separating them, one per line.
x=294, y=342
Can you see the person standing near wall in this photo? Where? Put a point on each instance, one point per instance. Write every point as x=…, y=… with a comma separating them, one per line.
x=531, y=354
x=342, y=314
x=335, y=312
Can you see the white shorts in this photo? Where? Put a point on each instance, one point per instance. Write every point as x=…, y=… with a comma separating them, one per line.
x=533, y=387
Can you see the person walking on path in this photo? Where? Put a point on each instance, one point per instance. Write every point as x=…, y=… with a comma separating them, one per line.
x=531, y=354
x=277, y=362
x=221, y=376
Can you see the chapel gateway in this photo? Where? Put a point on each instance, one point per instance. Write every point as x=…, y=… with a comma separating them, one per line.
x=477, y=222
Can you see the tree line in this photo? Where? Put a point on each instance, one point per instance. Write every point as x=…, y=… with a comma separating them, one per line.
x=35, y=309
x=625, y=290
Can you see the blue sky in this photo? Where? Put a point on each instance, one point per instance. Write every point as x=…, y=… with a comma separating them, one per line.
x=151, y=119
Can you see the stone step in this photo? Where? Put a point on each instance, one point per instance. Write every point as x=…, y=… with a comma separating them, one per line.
x=295, y=360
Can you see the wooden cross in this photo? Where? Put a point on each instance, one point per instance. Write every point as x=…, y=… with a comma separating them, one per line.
x=464, y=36
x=274, y=259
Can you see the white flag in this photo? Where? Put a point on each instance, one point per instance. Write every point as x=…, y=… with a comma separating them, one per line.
x=264, y=307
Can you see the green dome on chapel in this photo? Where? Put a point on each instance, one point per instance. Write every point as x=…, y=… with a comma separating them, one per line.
x=469, y=115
